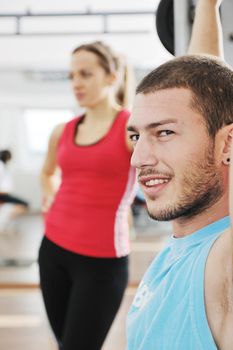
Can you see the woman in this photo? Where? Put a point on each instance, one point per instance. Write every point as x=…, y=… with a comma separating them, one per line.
x=83, y=256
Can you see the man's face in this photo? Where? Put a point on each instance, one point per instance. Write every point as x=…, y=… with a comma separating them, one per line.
x=174, y=155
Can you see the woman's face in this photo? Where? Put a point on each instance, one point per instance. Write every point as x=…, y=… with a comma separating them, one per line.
x=91, y=84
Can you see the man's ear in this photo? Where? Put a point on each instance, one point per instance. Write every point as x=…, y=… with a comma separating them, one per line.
x=227, y=134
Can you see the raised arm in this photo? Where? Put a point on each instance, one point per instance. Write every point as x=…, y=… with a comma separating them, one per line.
x=206, y=35
x=48, y=178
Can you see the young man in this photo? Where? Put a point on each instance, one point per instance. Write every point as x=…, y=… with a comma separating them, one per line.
x=182, y=130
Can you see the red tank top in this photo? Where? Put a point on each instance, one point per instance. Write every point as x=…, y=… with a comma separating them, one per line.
x=89, y=215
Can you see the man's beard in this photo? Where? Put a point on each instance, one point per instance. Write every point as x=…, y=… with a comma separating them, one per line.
x=202, y=188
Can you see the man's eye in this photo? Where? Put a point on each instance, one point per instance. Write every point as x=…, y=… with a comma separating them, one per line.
x=163, y=133
x=134, y=137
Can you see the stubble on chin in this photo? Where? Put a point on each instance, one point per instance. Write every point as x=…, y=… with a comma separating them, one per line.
x=200, y=188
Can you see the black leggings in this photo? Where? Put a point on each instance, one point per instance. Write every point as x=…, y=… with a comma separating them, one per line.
x=81, y=294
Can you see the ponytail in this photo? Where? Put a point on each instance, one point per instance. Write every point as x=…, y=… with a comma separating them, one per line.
x=125, y=86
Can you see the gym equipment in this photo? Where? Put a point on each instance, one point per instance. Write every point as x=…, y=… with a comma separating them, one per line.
x=174, y=20
x=164, y=21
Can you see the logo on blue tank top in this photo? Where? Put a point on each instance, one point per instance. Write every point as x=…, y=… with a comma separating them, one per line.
x=143, y=296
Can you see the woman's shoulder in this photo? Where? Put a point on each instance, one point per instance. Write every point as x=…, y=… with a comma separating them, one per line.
x=123, y=116
x=57, y=131
x=124, y=113
x=73, y=122
x=60, y=128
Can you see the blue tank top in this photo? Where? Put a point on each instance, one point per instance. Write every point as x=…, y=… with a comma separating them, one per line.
x=168, y=311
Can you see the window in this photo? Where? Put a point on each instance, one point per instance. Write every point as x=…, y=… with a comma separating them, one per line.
x=39, y=125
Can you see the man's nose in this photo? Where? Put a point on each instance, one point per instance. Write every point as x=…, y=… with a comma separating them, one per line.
x=144, y=154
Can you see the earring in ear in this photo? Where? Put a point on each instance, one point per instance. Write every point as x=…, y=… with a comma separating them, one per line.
x=228, y=160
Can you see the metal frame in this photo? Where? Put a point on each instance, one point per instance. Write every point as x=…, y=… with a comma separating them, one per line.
x=183, y=11
x=104, y=14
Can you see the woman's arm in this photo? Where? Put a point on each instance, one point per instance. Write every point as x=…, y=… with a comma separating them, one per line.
x=48, y=172
x=207, y=30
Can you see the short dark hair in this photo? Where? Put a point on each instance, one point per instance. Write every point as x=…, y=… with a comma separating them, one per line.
x=209, y=79
x=5, y=155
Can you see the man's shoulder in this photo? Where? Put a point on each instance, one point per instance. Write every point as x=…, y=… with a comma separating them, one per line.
x=221, y=254
x=223, y=247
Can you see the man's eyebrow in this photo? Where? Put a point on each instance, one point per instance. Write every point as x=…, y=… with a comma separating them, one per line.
x=131, y=128
x=154, y=125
